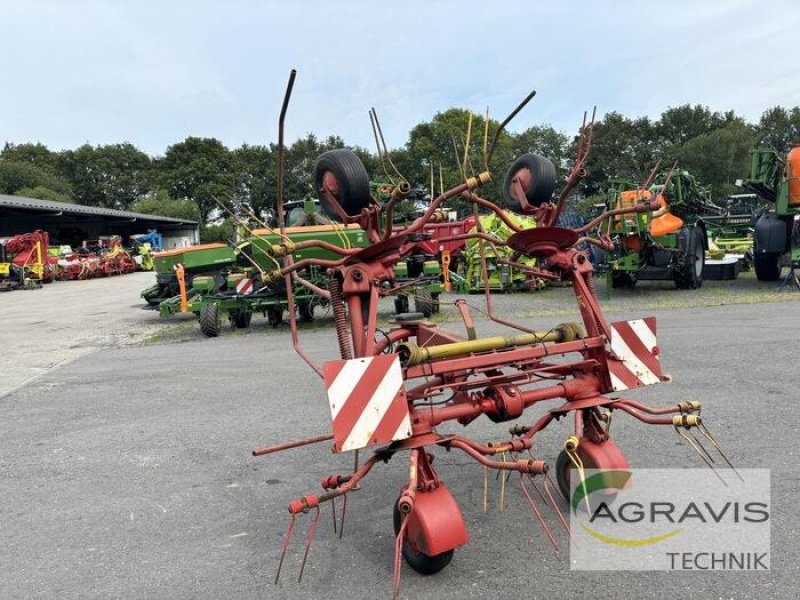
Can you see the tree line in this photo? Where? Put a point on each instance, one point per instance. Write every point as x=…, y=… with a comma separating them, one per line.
x=184, y=182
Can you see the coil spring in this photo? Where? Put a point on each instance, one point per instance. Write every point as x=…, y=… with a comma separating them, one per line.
x=339, y=317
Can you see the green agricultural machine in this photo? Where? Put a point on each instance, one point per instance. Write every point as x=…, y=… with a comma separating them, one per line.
x=777, y=233
x=206, y=259
x=667, y=243
x=237, y=292
x=502, y=277
x=730, y=233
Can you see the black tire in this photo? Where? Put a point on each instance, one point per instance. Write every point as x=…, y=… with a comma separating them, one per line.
x=401, y=304
x=436, y=305
x=423, y=302
x=767, y=265
x=351, y=178
x=241, y=319
x=688, y=273
x=541, y=183
x=623, y=279
x=421, y=563
x=209, y=320
x=275, y=315
x=306, y=312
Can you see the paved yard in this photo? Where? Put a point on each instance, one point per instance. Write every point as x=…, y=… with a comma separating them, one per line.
x=126, y=473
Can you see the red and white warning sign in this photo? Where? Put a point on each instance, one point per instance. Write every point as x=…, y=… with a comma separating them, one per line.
x=367, y=400
x=633, y=360
x=244, y=286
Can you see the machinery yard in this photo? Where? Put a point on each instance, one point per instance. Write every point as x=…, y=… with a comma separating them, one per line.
x=127, y=469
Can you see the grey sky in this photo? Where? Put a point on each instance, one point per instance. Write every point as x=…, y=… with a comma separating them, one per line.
x=152, y=73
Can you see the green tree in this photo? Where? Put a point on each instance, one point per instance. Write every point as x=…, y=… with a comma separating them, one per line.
x=256, y=177
x=621, y=147
x=199, y=169
x=44, y=193
x=779, y=128
x=160, y=203
x=16, y=175
x=37, y=155
x=111, y=176
x=679, y=124
x=720, y=157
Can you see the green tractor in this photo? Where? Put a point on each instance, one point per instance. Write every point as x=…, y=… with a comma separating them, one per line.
x=668, y=243
x=777, y=233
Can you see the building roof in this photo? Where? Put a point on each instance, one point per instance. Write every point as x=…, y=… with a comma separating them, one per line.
x=49, y=207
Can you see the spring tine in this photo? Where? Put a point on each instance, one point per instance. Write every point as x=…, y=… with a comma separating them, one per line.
x=703, y=448
x=287, y=537
x=485, y=489
x=312, y=531
x=398, y=552
x=341, y=521
x=554, y=506
x=576, y=460
x=704, y=430
x=538, y=514
x=696, y=449
x=333, y=514
x=503, y=480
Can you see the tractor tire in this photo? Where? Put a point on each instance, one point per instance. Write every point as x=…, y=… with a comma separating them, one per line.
x=689, y=274
x=306, y=312
x=767, y=266
x=538, y=177
x=423, y=302
x=350, y=181
x=401, y=304
x=275, y=315
x=209, y=320
x=623, y=279
x=436, y=304
x=241, y=319
x=421, y=563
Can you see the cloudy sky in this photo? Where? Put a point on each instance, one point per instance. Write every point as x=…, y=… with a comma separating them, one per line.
x=153, y=72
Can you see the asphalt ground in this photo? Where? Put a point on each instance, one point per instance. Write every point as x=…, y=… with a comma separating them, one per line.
x=126, y=472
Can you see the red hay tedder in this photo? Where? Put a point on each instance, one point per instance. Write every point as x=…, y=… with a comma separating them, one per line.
x=390, y=394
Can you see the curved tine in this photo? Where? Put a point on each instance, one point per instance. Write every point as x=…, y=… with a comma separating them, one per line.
x=312, y=531
x=378, y=145
x=458, y=162
x=651, y=176
x=385, y=149
x=466, y=145
x=287, y=538
x=486, y=141
x=507, y=120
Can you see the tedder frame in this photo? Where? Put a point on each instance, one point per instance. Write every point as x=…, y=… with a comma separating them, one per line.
x=390, y=393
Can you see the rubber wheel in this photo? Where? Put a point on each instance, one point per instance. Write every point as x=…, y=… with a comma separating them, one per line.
x=421, y=563
x=401, y=304
x=275, y=315
x=689, y=274
x=623, y=279
x=242, y=318
x=436, y=305
x=538, y=175
x=423, y=302
x=209, y=320
x=564, y=467
x=767, y=266
x=351, y=181
x=306, y=311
